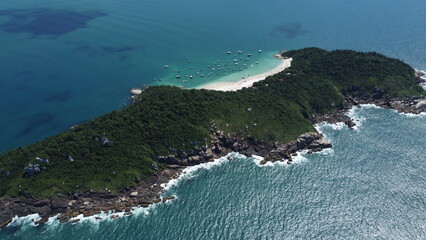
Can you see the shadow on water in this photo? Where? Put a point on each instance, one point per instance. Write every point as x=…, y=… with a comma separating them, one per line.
x=26, y=73
x=289, y=30
x=46, y=22
x=59, y=97
x=83, y=48
x=109, y=49
x=36, y=121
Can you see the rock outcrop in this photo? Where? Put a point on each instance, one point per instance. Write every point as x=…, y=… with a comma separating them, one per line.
x=413, y=105
x=312, y=141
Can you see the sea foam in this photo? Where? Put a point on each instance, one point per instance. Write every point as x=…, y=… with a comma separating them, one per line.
x=187, y=173
x=300, y=158
x=24, y=221
x=190, y=172
x=411, y=115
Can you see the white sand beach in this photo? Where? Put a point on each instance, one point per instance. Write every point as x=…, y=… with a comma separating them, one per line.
x=247, y=82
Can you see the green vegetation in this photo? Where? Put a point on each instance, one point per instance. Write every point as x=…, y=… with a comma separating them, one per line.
x=168, y=120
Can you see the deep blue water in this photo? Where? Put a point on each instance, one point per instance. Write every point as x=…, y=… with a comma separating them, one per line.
x=372, y=185
x=63, y=62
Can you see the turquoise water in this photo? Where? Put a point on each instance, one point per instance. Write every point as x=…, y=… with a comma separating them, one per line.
x=370, y=186
x=63, y=62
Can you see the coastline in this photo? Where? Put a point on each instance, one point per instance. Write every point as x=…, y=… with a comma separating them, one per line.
x=248, y=82
x=131, y=200
x=421, y=78
x=150, y=191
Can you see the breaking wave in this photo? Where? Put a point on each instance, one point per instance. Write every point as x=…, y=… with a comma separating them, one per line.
x=191, y=172
x=187, y=173
x=300, y=158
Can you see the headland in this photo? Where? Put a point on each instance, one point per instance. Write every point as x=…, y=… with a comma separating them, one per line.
x=120, y=160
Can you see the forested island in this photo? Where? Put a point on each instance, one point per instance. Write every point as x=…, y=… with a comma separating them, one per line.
x=128, y=152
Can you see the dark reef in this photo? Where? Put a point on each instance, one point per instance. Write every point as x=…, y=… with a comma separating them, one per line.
x=45, y=21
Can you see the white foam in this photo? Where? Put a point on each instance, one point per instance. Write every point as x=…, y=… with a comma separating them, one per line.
x=23, y=221
x=258, y=159
x=353, y=113
x=187, y=173
x=423, y=85
x=334, y=126
x=369, y=106
x=326, y=152
x=300, y=158
x=411, y=115
x=190, y=172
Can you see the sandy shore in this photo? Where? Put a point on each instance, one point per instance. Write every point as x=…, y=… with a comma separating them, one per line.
x=247, y=82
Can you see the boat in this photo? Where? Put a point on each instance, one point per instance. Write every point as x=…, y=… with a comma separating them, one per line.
x=239, y=52
x=259, y=51
x=166, y=66
x=178, y=76
x=249, y=55
x=228, y=53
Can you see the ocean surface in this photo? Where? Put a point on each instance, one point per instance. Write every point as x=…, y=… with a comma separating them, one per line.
x=64, y=62
x=371, y=185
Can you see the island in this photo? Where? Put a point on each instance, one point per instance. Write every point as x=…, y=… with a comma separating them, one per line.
x=119, y=160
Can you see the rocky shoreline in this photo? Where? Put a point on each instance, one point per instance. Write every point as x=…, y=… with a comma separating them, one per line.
x=408, y=105
x=420, y=77
x=150, y=191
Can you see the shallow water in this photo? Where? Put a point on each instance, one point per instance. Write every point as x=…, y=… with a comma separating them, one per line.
x=370, y=186
x=63, y=62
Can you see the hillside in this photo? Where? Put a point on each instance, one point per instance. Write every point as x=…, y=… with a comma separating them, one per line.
x=119, y=148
